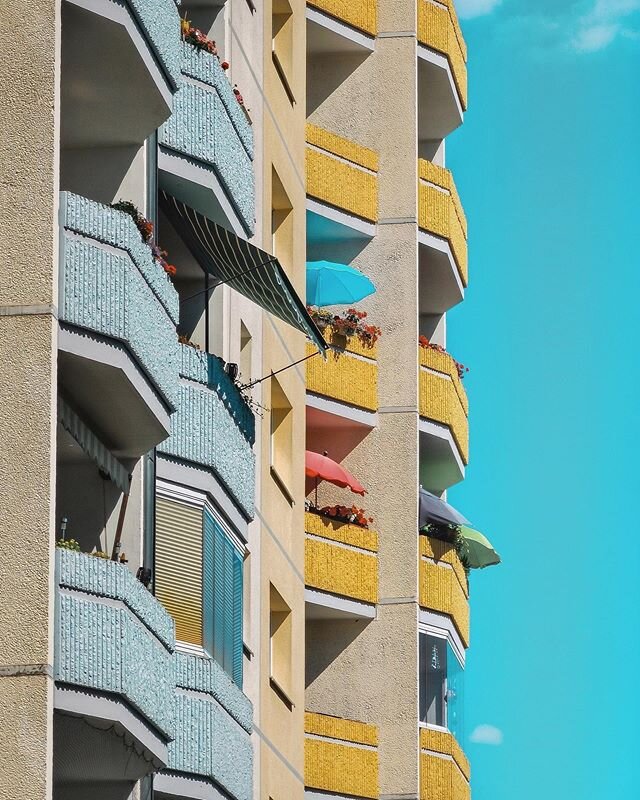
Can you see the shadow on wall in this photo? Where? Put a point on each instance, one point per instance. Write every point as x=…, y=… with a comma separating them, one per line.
x=326, y=640
x=326, y=73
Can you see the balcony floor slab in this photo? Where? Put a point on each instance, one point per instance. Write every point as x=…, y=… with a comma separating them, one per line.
x=328, y=36
x=106, y=386
x=322, y=605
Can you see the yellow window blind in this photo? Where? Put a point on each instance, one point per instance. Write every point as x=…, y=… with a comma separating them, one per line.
x=178, y=568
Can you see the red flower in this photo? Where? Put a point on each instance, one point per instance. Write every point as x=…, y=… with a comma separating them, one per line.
x=225, y=65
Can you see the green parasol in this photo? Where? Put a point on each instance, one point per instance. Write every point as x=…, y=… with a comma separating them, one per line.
x=480, y=551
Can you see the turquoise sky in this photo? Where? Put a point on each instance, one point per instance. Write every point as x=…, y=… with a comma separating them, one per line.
x=548, y=167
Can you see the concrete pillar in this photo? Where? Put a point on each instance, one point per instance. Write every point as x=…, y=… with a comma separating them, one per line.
x=29, y=110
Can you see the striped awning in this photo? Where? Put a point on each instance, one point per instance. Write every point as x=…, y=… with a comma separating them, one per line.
x=243, y=266
x=93, y=447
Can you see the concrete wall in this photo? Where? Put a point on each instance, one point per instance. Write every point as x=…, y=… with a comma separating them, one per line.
x=29, y=105
x=368, y=672
x=281, y=510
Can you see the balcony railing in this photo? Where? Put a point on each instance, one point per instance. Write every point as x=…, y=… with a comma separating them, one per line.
x=341, y=559
x=444, y=768
x=443, y=583
x=113, y=636
x=443, y=399
x=209, y=126
x=361, y=14
x=440, y=211
x=341, y=756
x=349, y=375
x=342, y=173
x=213, y=425
x=160, y=21
x=439, y=29
x=213, y=727
x=111, y=285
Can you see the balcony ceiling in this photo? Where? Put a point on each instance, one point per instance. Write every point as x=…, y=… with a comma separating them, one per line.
x=111, y=394
x=439, y=108
x=113, y=91
x=440, y=284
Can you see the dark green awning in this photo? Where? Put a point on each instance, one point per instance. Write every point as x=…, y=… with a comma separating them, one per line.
x=93, y=447
x=243, y=266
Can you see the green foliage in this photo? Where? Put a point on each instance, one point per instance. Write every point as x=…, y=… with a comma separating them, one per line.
x=452, y=534
x=68, y=544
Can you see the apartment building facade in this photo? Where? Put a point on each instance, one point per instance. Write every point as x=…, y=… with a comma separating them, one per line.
x=182, y=617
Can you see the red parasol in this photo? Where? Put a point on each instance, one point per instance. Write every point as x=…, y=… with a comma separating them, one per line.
x=321, y=467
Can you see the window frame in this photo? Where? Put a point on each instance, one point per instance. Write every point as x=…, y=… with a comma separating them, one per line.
x=202, y=501
x=435, y=625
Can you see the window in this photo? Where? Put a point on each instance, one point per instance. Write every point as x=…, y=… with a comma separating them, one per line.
x=280, y=642
x=199, y=578
x=281, y=435
x=441, y=685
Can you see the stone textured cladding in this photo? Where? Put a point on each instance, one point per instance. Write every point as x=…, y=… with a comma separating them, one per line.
x=344, y=377
x=341, y=570
x=213, y=726
x=160, y=21
x=444, y=552
x=353, y=535
x=443, y=399
x=361, y=14
x=346, y=767
x=122, y=649
x=439, y=29
x=444, y=588
x=204, y=432
x=209, y=125
x=351, y=344
x=442, y=778
x=441, y=213
x=344, y=148
x=115, y=228
x=207, y=369
x=118, y=294
x=342, y=173
x=445, y=743
x=337, y=728
x=127, y=649
x=443, y=362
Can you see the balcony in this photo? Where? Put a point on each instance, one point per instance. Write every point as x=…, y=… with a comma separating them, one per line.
x=212, y=746
x=359, y=14
x=341, y=569
x=132, y=45
x=206, y=147
x=336, y=27
x=442, y=69
x=443, y=584
x=113, y=668
x=340, y=756
x=444, y=769
x=119, y=356
x=213, y=427
x=443, y=240
x=128, y=704
x=342, y=190
x=346, y=384
x=444, y=424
